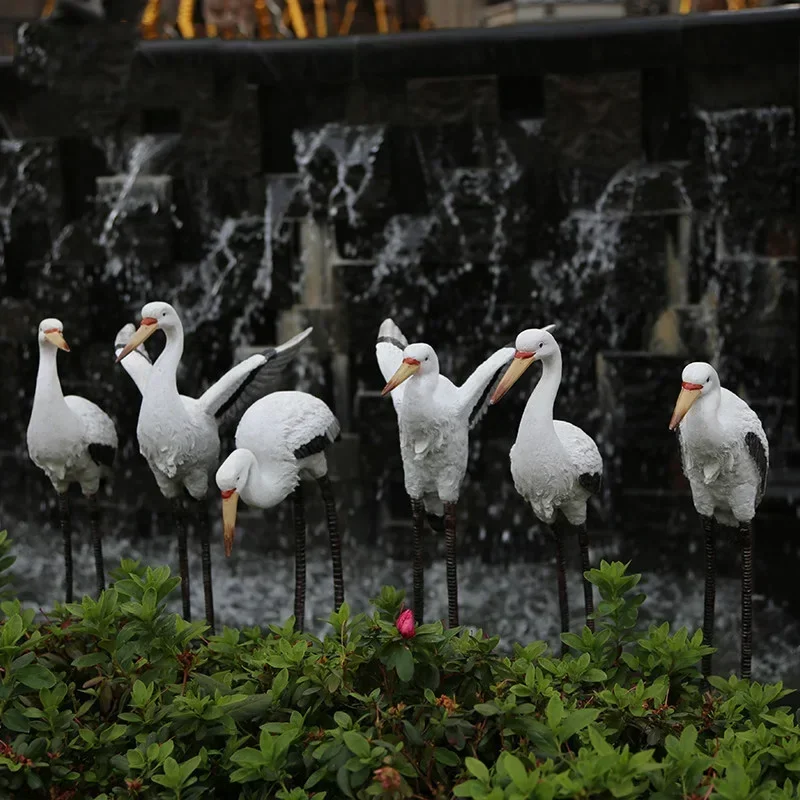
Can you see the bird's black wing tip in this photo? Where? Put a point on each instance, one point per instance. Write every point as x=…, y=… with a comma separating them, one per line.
x=390, y=340
x=316, y=445
x=759, y=455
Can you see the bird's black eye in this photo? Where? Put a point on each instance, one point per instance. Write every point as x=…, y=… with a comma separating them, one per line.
x=427, y=357
x=708, y=380
x=541, y=344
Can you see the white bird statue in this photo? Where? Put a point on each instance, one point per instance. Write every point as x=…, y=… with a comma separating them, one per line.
x=556, y=467
x=178, y=435
x=434, y=418
x=281, y=442
x=725, y=456
x=72, y=441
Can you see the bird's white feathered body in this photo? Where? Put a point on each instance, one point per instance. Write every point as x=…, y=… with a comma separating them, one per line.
x=283, y=436
x=554, y=464
x=724, y=476
x=546, y=467
x=71, y=439
x=179, y=435
x=434, y=416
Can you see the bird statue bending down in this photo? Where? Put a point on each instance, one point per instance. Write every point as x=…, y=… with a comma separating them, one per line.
x=72, y=441
x=556, y=467
x=725, y=456
x=434, y=418
x=281, y=442
x=178, y=435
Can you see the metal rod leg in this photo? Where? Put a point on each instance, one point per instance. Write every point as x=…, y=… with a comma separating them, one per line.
x=418, y=514
x=588, y=597
x=97, y=543
x=709, y=534
x=746, y=542
x=561, y=573
x=205, y=555
x=183, y=557
x=452, y=561
x=299, y=558
x=66, y=532
x=336, y=542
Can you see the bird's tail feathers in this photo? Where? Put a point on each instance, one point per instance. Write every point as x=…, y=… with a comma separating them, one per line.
x=434, y=507
x=389, y=331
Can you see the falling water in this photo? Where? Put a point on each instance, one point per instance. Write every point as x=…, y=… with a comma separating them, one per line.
x=336, y=165
x=121, y=194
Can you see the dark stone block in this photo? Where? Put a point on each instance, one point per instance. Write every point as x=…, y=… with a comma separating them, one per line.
x=757, y=296
x=594, y=123
x=717, y=88
x=665, y=114
x=637, y=394
x=376, y=103
x=222, y=136
x=742, y=160
x=445, y=101
x=76, y=76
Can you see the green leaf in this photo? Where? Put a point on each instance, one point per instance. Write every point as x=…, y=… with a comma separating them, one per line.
x=15, y=720
x=473, y=789
x=356, y=744
x=516, y=770
x=89, y=660
x=412, y=734
x=477, y=768
x=446, y=757
x=404, y=664
x=555, y=712
x=343, y=720
x=36, y=677
x=576, y=721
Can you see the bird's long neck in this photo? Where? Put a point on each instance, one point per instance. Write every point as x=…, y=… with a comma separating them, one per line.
x=706, y=412
x=420, y=388
x=48, y=399
x=539, y=409
x=163, y=380
x=268, y=483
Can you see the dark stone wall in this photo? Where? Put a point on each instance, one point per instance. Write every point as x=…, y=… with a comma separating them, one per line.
x=644, y=200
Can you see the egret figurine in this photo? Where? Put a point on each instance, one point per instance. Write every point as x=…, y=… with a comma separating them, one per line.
x=72, y=441
x=280, y=443
x=434, y=418
x=725, y=456
x=555, y=465
x=178, y=435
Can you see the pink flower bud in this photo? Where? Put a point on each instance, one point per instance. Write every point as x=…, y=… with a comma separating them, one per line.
x=405, y=624
x=389, y=778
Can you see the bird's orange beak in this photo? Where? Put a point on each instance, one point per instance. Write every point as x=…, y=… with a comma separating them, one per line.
x=148, y=327
x=230, y=499
x=405, y=371
x=686, y=399
x=55, y=336
x=522, y=360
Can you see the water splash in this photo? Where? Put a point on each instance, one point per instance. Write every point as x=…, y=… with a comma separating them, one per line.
x=336, y=164
x=126, y=190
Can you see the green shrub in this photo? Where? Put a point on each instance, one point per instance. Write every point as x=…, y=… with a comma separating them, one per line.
x=118, y=698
